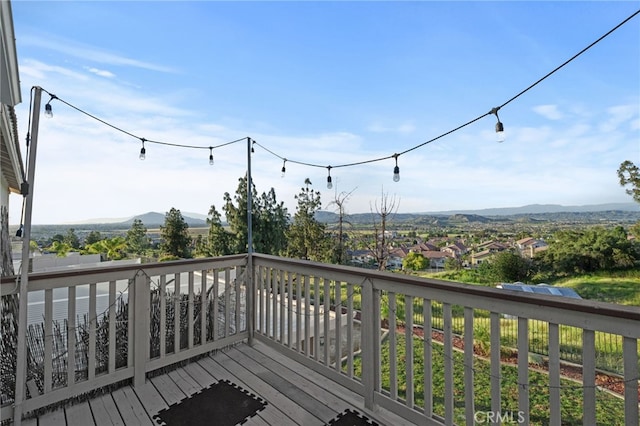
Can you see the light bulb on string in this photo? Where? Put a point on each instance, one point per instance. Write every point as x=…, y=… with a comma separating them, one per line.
x=211, y=156
x=143, y=151
x=396, y=169
x=48, y=110
x=329, y=183
x=499, y=126
x=284, y=169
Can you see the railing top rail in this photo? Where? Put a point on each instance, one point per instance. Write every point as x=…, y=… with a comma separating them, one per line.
x=8, y=284
x=577, y=305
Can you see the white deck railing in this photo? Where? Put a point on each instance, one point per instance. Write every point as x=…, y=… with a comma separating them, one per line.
x=103, y=326
x=307, y=310
x=402, y=343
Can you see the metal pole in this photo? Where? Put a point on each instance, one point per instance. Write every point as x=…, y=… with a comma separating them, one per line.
x=21, y=362
x=251, y=305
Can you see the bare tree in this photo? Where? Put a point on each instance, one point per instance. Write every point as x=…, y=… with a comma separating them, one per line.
x=384, y=211
x=339, y=201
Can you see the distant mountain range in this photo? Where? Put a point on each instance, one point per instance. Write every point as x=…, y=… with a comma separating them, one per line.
x=153, y=219
x=544, y=208
x=150, y=219
x=541, y=211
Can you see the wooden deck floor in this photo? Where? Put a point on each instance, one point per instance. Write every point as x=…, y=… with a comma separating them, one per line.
x=295, y=395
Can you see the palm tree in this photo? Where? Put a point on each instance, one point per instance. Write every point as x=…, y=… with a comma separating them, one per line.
x=59, y=248
x=113, y=248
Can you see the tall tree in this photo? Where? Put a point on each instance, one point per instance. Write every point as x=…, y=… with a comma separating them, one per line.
x=92, y=237
x=588, y=250
x=235, y=210
x=72, y=239
x=137, y=240
x=508, y=266
x=218, y=242
x=269, y=218
x=270, y=225
x=307, y=237
x=629, y=174
x=175, y=235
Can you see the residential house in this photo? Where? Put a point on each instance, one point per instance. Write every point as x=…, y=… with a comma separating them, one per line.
x=485, y=251
x=396, y=257
x=424, y=246
x=361, y=257
x=437, y=258
x=529, y=246
x=492, y=246
x=457, y=249
x=481, y=257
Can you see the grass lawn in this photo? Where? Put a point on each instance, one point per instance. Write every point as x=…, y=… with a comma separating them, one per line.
x=623, y=289
x=608, y=407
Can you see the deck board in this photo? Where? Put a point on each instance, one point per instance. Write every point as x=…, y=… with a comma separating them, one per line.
x=150, y=398
x=79, y=414
x=130, y=408
x=291, y=389
x=200, y=375
x=169, y=391
x=105, y=412
x=54, y=418
x=295, y=394
x=184, y=381
x=302, y=381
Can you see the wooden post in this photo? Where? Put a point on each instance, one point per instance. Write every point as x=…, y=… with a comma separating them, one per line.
x=141, y=332
x=368, y=345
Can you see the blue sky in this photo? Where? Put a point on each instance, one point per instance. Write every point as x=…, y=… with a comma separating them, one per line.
x=328, y=83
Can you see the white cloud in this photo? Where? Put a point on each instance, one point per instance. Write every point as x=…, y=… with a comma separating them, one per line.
x=39, y=71
x=89, y=53
x=101, y=73
x=550, y=112
x=618, y=115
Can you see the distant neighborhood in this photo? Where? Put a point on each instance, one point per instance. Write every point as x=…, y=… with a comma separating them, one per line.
x=439, y=251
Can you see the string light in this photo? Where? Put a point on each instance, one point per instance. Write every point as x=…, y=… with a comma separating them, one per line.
x=396, y=169
x=396, y=175
x=48, y=110
x=143, y=151
x=284, y=169
x=329, y=184
x=211, y=155
x=499, y=126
